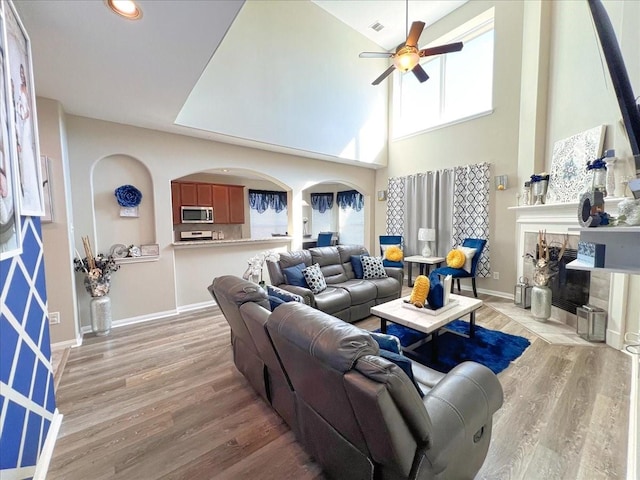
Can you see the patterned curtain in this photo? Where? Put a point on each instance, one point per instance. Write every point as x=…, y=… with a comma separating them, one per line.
x=471, y=209
x=261, y=200
x=350, y=199
x=322, y=201
x=395, y=206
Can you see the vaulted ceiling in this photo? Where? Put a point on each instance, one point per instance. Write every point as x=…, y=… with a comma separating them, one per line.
x=142, y=73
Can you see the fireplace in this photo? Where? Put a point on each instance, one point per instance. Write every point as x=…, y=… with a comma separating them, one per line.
x=606, y=290
x=570, y=288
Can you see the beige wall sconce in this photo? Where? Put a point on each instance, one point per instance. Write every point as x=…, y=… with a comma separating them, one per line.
x=382, y=195
x=501, y=182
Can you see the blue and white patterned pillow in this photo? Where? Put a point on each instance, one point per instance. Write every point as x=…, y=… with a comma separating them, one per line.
x=372, y=267
x=315, y=279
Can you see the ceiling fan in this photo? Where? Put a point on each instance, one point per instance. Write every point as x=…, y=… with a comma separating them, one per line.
x=407, y=55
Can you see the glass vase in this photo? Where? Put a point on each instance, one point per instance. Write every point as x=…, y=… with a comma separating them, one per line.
x=599, y=181
x=541, y=302
x=100, y=308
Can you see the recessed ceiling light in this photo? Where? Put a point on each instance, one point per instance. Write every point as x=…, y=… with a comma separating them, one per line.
x=125, y=8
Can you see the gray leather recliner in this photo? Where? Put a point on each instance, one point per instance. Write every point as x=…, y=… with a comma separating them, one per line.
x=356, y=413
x=246, y=308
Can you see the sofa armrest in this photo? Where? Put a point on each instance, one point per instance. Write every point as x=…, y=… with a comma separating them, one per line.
x=395, y=272
x=305, y=293
x=460, y=406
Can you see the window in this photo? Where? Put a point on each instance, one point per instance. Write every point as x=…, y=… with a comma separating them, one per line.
x=351, y=217
x=460, y=84
x=268, y=213
x=321, y=222
x=321, y=213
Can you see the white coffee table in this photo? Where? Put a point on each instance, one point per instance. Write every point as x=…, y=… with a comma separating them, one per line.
x=397, y=312
x=423, y=262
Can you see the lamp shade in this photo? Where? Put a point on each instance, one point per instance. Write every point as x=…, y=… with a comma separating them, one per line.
x=406, y=58
x=426, y=234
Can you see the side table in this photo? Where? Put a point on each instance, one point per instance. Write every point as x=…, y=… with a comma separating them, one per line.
x=424, y=262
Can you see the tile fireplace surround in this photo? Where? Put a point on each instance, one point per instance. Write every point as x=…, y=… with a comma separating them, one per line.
x=607, y=290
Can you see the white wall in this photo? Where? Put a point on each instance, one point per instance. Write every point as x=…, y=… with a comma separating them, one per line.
x=145, y=288
x=288, y=74
x=57, y=253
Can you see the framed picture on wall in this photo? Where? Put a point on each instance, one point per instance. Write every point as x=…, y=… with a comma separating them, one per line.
x=25, y=135
x=45, y=168
x=10, y=235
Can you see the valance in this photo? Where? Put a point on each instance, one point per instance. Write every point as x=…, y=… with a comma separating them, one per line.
x=261, y=200
x=350, y=198
x=322, y=201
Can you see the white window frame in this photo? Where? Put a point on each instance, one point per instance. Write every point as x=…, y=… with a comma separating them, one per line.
x=466, y=32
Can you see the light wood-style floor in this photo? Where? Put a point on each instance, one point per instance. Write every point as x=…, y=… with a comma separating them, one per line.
x=163, y=400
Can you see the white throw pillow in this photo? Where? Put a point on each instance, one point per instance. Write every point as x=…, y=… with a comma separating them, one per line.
x=468, y=253
x=372, y=267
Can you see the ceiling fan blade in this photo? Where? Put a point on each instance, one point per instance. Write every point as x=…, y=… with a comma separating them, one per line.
x=375, y=55
x=420, y=74
x=414, y=33
x=448, y=48
x=384, y=75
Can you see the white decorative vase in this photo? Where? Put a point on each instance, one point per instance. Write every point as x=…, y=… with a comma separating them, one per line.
x=100, y=308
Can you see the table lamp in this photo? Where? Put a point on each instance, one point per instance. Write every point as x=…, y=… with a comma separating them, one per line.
x=426, y=235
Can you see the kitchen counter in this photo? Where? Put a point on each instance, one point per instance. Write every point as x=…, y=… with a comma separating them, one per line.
x=225, y=243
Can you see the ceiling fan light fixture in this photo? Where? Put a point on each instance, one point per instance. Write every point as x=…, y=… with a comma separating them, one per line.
x=406, y=58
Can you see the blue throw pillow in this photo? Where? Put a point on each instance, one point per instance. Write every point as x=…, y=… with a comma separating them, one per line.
x=356, y=263
x=275, y=302
x=435, y=297
x=294, y=276
x=405, y=364
x=387, y=342
x=283, y=294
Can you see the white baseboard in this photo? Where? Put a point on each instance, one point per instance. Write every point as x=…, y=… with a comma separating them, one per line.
x=196, y=306
x=133, y=320
x=155, y=316
x=67, y=344
x=495, y=293
x=47, y=449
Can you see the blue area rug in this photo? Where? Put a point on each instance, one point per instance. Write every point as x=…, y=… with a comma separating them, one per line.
x=491, y=348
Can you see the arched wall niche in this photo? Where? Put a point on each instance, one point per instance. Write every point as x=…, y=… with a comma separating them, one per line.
x=109, y=173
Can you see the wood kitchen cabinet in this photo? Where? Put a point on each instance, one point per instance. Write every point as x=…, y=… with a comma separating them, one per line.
x=203, y=194
x=176, y=202
x=188, y=194
x=236, y=204
x=220, y=194
x=227, y=200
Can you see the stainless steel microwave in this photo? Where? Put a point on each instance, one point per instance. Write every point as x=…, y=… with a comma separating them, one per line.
x=196, y=214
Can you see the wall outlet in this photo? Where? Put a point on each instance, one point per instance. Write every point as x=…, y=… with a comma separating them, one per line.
x=496, y=275
x=54, y=318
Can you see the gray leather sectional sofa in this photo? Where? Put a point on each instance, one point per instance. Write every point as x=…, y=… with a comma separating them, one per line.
x=356, y=413
x=346, y=297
